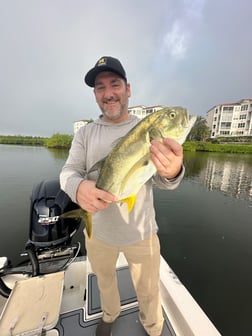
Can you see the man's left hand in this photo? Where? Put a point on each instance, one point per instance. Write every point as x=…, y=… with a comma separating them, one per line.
x=167, y=156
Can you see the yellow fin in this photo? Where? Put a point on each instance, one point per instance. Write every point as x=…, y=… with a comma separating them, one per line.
x=130, y=201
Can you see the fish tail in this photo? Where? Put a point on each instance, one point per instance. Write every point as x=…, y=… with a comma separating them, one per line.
x=87, y=219
x=84, y=215
x=71, y=214
x=130, y=201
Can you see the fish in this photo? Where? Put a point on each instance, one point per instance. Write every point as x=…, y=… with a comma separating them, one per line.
x=129, y=166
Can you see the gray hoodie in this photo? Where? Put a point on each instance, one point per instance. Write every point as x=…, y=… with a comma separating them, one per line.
x=114, y=225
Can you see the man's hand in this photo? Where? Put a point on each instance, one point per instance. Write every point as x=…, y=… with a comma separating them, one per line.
x=91, y=198
x=167, y=156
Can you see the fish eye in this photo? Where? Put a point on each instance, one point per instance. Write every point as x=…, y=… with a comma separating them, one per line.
x=172, y=114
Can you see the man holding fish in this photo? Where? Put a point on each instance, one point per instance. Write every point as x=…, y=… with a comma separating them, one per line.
x=109, y=173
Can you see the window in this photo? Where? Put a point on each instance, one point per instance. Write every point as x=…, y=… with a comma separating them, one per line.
x=243, y=116
x=244, y=107
x=241, y=125
x=225, y=124
x=228, y=108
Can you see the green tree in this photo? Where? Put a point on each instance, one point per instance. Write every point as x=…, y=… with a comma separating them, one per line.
x=200, y=130
x=60, y=141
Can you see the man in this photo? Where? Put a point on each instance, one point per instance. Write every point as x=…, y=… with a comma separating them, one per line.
x=113, y=232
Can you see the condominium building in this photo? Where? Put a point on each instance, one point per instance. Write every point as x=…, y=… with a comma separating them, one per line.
x=232, y=119
x=79, y=123
x=142, y=111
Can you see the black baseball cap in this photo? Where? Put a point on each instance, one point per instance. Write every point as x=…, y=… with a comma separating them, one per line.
x=105, y=63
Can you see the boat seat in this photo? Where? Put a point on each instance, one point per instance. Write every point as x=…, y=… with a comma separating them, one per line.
x=33, y=306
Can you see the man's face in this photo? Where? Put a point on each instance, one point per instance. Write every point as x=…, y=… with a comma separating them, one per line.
x=112, y=93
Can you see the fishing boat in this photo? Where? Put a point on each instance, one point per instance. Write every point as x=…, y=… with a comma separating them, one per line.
x=56, y=294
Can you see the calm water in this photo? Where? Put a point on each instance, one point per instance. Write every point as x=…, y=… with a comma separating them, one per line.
x=205, y=225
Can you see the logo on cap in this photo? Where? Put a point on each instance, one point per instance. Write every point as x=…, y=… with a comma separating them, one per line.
x=102, y=61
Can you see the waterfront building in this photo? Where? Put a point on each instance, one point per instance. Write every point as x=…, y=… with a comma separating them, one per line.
x=231, y=119
x=79, y=123
x=142, y=111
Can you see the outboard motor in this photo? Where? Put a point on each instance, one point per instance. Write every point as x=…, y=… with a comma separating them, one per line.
x=49, y=247
x=48, y=202
x=50, y=235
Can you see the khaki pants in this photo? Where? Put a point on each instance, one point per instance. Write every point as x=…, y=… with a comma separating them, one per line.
x=144, y=262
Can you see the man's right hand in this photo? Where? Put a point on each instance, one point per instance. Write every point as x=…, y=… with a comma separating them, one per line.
x=93, y=199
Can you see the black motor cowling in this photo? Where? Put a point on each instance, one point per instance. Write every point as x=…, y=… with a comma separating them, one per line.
x=49, y=201
x=49, y=235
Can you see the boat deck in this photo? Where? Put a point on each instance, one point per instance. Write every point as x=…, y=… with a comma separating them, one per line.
x=75, y=308
x=72, y=323
x=81, y=322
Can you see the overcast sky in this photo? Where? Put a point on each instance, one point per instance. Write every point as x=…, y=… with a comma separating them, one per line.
x=193, y=53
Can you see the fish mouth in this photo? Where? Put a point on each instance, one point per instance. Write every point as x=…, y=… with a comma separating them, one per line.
x=191, y=120
x=185, y=120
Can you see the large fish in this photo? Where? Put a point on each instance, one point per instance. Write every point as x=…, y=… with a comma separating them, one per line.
x=128, y=166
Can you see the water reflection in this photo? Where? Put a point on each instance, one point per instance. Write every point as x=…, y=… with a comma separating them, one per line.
x=229, y=173
x=58, y=154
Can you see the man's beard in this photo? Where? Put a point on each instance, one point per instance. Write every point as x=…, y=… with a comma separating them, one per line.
x=114, y=115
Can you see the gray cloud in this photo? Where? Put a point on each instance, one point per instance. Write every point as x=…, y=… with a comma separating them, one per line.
x=193, y=53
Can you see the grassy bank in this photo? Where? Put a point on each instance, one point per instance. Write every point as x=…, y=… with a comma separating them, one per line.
x=22, y=140
x=55, y=141
x=201, y=146
x=64, y=141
